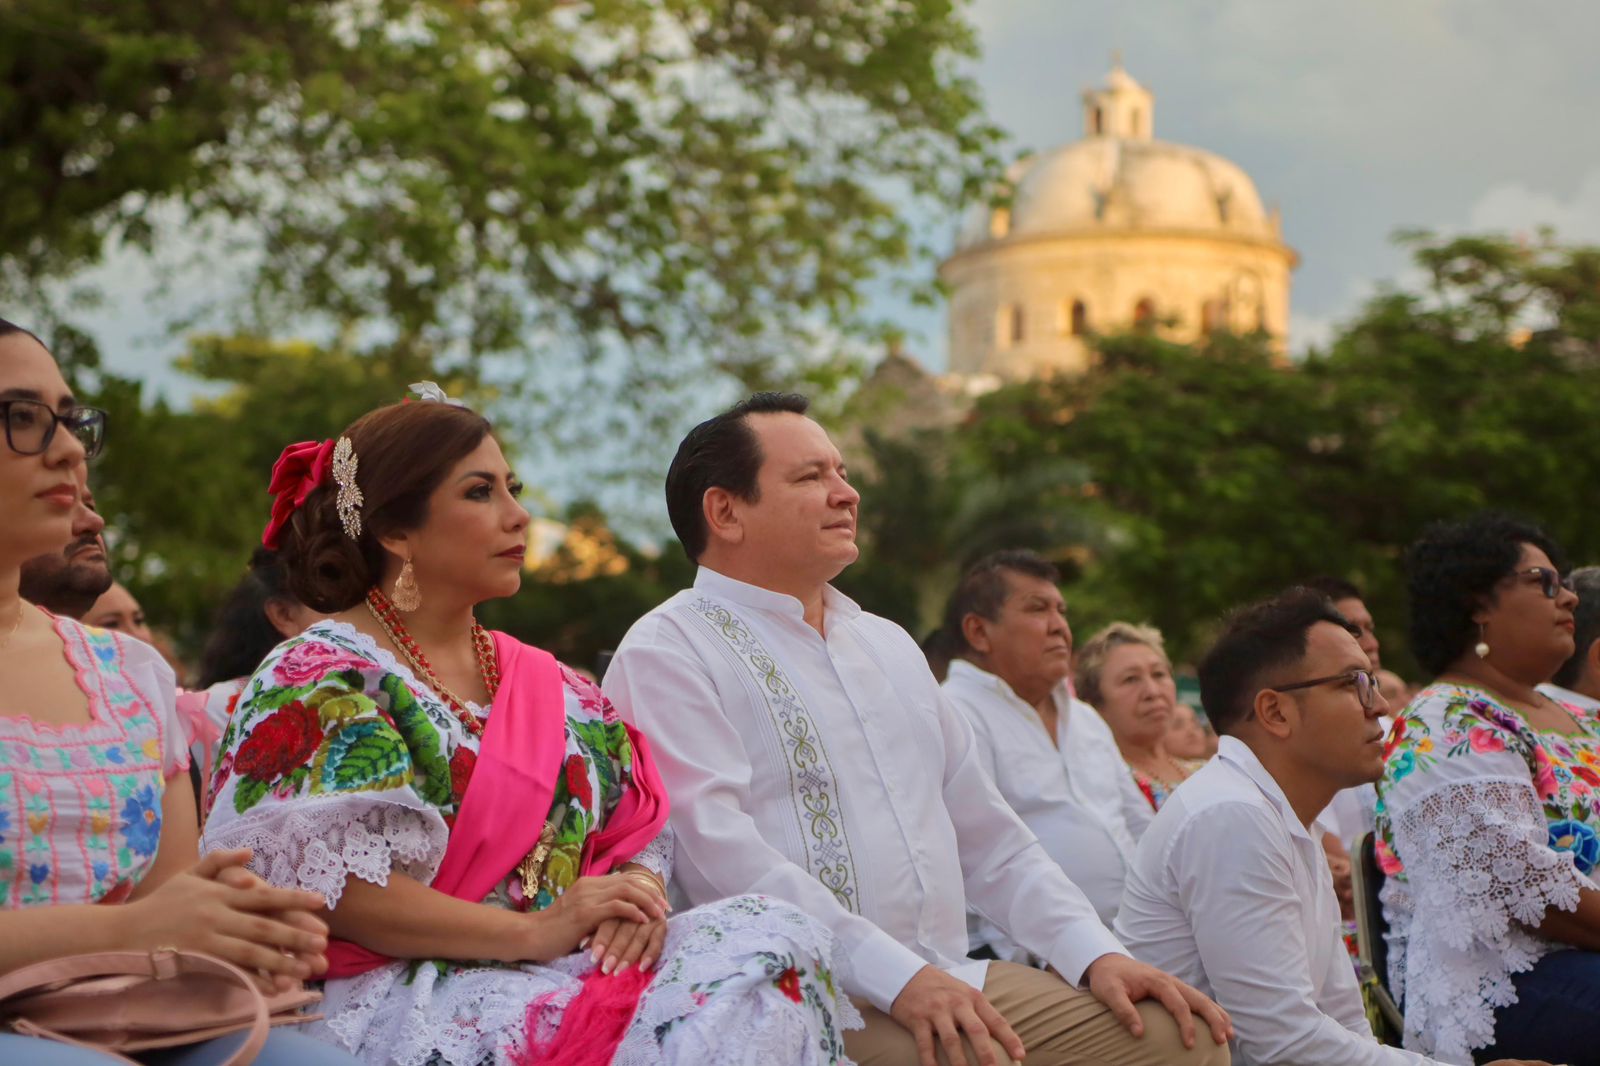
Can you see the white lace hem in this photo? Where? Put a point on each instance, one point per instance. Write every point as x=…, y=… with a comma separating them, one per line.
x=317, y=845
x=656, y=856
x=712, y=1003
x=1479, y=874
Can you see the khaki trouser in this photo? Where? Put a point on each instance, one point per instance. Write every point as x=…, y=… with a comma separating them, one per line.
x=1058, y=1024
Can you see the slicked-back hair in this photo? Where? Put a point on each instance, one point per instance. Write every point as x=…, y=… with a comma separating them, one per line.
x=722, y=452
x=1335, y=588
x=1260, y=643
x=983, y=589
x=1586, y=624
x=8, y=328
x=1452, y=570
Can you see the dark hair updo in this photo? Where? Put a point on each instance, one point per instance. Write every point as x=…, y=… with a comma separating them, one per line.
x=403, y=452
x=1453, y=570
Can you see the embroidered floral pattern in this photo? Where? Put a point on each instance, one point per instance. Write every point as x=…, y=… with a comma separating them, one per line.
x=80, y=806
x=1564, y=768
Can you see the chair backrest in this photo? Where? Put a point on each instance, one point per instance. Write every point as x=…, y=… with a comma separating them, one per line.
x=1370, y=926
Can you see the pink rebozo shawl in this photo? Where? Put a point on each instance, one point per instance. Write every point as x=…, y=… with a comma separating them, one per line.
x=519, y=762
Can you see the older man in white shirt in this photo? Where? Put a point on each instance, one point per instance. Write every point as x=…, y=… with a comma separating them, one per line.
x=1051, y=756
x=1229, y=889
x=810, y=755
x=1578, y=681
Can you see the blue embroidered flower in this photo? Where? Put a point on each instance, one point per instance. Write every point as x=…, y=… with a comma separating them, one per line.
x=1578, y=838
x=38, y=871
x=114, y=755
x=141, y=821
x=1401, y=763
x=102, y=870
x=5, y=825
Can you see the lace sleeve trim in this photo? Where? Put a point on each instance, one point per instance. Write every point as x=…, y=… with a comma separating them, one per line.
x=318, y=847
x=1479, y=873
x=657, y=855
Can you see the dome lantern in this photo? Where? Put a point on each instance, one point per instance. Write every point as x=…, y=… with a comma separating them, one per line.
x=1121, y=108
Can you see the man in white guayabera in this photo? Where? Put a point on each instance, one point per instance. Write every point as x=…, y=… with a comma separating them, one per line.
x=1229, y=887
x=811, y=756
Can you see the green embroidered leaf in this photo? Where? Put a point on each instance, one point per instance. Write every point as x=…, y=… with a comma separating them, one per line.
x=422, y=740
x=363, y=756
x=337, y=705
x=247, y=792
x=606, y=744
x=561, y=869
x=267, y=698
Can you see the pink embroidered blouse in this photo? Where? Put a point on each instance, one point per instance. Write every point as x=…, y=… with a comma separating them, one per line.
x=80, y=805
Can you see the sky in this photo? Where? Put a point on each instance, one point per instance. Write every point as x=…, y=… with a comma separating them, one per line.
x=1356, y=118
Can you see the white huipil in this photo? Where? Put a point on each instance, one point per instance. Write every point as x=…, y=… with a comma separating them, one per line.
x=1076, y=794
x=830, y=771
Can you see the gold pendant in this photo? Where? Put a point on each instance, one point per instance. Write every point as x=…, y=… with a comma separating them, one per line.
x=532, y=866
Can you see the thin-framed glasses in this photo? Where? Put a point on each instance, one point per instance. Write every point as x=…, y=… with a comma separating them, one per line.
x=1550, y=581
x=1366, y=683
x=31, y=426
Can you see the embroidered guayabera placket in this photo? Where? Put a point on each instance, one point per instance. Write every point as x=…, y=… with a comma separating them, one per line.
x=812, y=785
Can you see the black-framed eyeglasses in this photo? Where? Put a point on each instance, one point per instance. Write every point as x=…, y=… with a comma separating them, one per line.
x=31, y=426
x=1550, y=581
x=1365, y=681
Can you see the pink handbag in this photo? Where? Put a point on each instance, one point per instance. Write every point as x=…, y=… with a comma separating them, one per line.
x=116, y=1001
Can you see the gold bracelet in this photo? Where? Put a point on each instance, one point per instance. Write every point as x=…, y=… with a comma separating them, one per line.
x=655, y=882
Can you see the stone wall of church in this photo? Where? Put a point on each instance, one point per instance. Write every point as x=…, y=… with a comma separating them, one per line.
x=1018, y=308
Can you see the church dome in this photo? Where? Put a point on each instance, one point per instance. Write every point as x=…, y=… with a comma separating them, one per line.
x=1120, y=178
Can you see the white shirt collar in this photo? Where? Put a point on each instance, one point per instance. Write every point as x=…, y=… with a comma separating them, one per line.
x=968, y=671
x=1238, y=754
x=834, y=603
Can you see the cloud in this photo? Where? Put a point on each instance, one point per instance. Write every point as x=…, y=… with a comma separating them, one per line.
x=1516, y=208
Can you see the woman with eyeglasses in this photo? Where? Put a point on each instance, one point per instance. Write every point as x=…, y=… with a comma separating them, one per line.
x=1489, y=808
x=97, y=853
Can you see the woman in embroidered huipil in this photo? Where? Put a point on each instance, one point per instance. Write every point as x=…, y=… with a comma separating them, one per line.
x=490, y=836
x=1488, y=820
x=89, y=740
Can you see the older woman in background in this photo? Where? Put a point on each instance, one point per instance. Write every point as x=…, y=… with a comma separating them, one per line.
x=1489, y=808
x=1123, y=671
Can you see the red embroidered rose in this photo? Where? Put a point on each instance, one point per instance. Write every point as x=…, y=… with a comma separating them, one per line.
x=280, y=743
x=462, y=763
x=1586, y=773
x=789, y=983
x=578, y=782
x=310, y=661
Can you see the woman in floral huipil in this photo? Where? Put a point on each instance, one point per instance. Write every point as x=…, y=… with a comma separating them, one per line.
x=89, y=740
x=489, y=834
x=1489, y=809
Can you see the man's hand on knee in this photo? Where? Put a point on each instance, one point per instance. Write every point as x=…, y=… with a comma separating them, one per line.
x=933, y=1005
x=1119, y=982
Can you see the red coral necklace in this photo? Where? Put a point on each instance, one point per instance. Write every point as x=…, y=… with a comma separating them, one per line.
x=388, y=619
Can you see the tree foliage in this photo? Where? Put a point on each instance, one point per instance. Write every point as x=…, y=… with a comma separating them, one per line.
x=692, y=183
x=1217, y=473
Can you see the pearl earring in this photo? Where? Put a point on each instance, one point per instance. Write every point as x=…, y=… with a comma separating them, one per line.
x=1481, y=649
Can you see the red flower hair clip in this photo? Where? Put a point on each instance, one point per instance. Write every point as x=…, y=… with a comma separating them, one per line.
x=297, y=473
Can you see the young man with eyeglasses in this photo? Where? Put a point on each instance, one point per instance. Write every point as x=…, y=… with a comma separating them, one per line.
x=1228, y=889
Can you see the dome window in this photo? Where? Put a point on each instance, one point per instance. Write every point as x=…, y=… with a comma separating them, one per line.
x=1075, y=322
x=1010, y=326
x=1144, y=315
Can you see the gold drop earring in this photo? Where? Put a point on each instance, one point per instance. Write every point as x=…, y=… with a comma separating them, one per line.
x=407, y=597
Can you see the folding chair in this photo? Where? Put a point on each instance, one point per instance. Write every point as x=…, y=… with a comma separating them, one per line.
x=1372, y=962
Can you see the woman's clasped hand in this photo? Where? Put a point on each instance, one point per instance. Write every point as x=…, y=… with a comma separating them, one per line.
x=219, y=908
x=621, y=920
